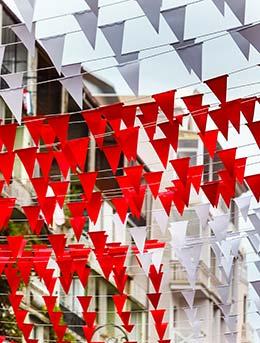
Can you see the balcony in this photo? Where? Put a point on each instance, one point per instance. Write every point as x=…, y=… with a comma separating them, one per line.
x=206, y=281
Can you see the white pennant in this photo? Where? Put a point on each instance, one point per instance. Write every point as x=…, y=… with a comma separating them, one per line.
x=27, y=37
x=251, y=33
x=192, y=58
x=224, y=293
x=162, y=220
x=139, y=237
x=88, y=22
x=130, y=73
x=73, y=82
x=220, y=4
x=178, y=232
x=254, y=219
x=231, y=322
x=235, y=244
x=231, y=337
x=243, y=203
x=146, y=261
x=256, y=286
x=93, y=4
x=241, y=42
x=202, y=211
x=175, y=18
x=54, y=47
x=13, y=97
x=225, y=308
x=254, y=241
x=238, y=7
x=152, y=11
x=219, y=226
x=26, y=10
x=189, y=297
x=157, y=256
x=191, y=314
x=227, y=264
x=114, y=34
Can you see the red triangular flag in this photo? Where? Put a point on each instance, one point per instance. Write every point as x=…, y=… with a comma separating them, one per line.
x=128, y=140
x=62, y=163
x=154, y=299
x=78, y=224
x=34, y=125
x=254, y=127
x=209, y=139
x=166, y=199
x=90, y=318
x=84, y=301
x=48, y=135
x=60, y=189
x=153, y=179
x=227, y=157
x=16, y=244
x=60, y=126
x=220, y=119
x=48, y=206
x=158, y=315
x=7, y=136
x=96, y=124
x=88, y=181
x=171, y=132
x=253, y=182
x=162, y=147
x=93, y=206
x=113, y=154
x=50, y=301
x=200, y=117
x=134, y=175
x=218, y=85
x=181, y=166
x=211, y=190
x=193, y=102
x=149, y=118
x=128, y=114
x=76, y=151
x=232, y=111
x=40, y=186
x=121, y=206
x=248, y=108
x=58, y=242
x=45, y=160
x=195, y=176
x=240, y=166
x=119, y=301
x=7, y=165
x=27, y=157
x=166, y=101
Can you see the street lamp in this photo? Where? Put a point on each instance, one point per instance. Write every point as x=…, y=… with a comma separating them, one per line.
x=124, y=337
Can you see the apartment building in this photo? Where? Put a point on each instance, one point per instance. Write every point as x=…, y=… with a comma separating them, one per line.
x=52, y=98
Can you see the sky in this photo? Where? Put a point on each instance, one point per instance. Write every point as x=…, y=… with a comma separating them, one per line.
x=166, y=71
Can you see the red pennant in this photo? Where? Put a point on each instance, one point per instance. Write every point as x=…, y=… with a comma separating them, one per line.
x=221, y=119
x=166, y=199
x=128, y=327
x=225, y=189
x=96, y=124
x=149, y=118
x=134, y=174
x=154, y=299
x=254, y=127
x=88, y=332
x=136, y=200
x=157, y=316
x=48, y=135
x=45, y=160
x=195, y=176
x=128, y=115
x=93, y=206
x=27, y=157
x=84, y=302
x=121, y=206
x=58, y=242
x=13, y=277
x=156, y=278
x=113, y=114
x=98, y=239
x=209, y=139
x=34, y=125
x=62, y=163
x=162, y=147
x=60, y=126
x=200, y=117
x=40, y=186
x=119, y=301
x=253, y=182
x=90, y=318
x=120, y=278
x=248, y=108
x=181, y=166
x=113, y=154
x=60, y=189
x=66, y=283
x=153, y=179
x=161, y=329
x=76, y=151
x=16, y=244
x=25, y=266
x=76, y=208
x=6, y=209
x=193, y=102
x=240, y=166
x=7, y=136
x=15, y=301
x=211, y=190
x=78, y=224
x=106, y=265
x=50, y=301
x=88, y=181
x=125, y=317
x=232, y=111
x=7, y=165
x=128, y=140
x=166, y=102
x=82, y=271
x=228, y=159
x=171, y=132
x=48, y=207
x=218, y=85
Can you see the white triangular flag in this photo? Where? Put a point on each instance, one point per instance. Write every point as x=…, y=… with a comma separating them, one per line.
x=139, y=237
x=243, y=203
x=224, y=293
x=256, y=286
x=257, y=264
x=73, y=82
x=227, y=264
x=162, y=220
x=114, y=34
x=145, y=261
x=178, y=232
x=2, y=52
x=254, y=241
x=238, y=7
x=255, y=220
x=241, y=42
x=225, y=308
x=27, y=37
x=26, y=10
x=231, y=337
x=175, y=18
x=220, y=4
x=88, y=23
x=130, y=72
x=93, y=4
x=13, y=97
x=235, y=244
x=54, y=46
x=191, y=314
x=192, y=57
x=231, y=322
x=152, y=11
x=157, y=256
x=189, y=297
x=202, y=211
x=251, y=33
x=217, y=251
x=219, y=226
